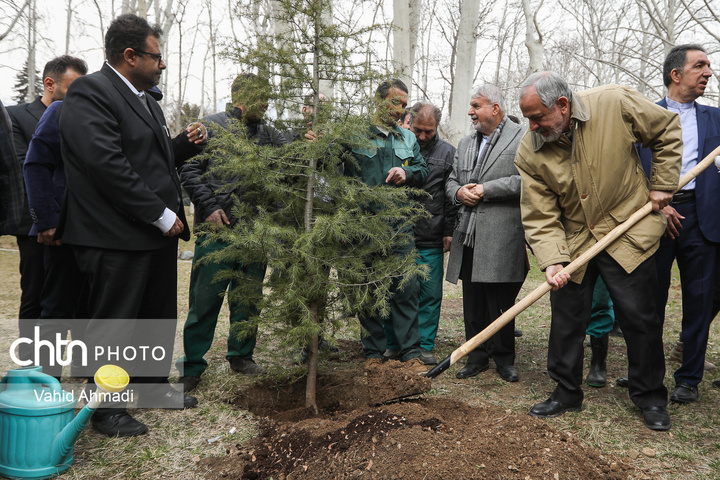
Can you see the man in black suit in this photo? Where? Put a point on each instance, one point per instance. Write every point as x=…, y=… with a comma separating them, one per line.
x=123, y=211
x=58, y=74
x=11, y=190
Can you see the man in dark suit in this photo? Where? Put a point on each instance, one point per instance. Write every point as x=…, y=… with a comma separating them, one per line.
x=693, y=225
x=123, y=210
x=58, y=74
x=11, y=191
x=486, y=183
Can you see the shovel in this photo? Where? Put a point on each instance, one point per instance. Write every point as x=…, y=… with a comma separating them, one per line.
x=535, y=295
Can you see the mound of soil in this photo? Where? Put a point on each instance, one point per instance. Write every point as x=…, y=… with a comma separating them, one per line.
x=392, y=381
x=432, y=438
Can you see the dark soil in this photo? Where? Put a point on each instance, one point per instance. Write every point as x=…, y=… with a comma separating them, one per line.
x=433, y=438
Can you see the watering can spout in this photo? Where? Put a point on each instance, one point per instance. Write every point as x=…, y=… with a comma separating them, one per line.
x=108, y=379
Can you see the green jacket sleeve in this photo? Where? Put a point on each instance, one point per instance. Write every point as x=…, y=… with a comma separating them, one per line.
x=417, y=171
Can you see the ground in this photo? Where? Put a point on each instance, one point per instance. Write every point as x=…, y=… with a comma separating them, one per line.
x=474, y=428
x=434, y=438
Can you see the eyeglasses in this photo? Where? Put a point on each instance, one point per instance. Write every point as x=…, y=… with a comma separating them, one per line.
x=156, y=56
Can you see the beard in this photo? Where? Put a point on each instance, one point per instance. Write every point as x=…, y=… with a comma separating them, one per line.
x=551, y=134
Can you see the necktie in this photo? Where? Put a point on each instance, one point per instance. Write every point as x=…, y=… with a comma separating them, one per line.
x=143, y=100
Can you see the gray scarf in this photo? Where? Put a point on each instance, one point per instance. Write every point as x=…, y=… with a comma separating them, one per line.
x=468, y=215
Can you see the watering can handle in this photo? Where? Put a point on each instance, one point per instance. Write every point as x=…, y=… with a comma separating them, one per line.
x=33, y=377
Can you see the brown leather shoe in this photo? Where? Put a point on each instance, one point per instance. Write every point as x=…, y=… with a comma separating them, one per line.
x=373, y=363
x=416, y=365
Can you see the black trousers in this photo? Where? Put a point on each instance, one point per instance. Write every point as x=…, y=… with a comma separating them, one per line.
x=65, y=291
x=482, y=304
x=32, y=276
x=633, y=295
x=128, y=290
x=64, y=301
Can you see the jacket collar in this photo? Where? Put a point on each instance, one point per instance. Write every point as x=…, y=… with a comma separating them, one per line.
x=578, y=113
x=701, y=112
x=394, y=130
x=36, y=108
x=509, y=132
x=161, y=131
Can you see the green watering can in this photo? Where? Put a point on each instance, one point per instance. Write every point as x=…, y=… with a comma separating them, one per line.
x=38, y=428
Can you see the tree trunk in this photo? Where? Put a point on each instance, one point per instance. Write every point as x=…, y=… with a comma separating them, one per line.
x=325, y=85
x=31, y=93
x=213, y=45
x=67, y=27
x=402, y=61
x=464, y=70
x=533, y=37
x=311, y=386
x=415, y=10
x=101, y=25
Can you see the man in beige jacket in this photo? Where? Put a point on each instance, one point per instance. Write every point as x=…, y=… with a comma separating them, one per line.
x=581, y=178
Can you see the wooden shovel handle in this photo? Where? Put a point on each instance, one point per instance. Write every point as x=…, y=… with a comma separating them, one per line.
x=535, y=295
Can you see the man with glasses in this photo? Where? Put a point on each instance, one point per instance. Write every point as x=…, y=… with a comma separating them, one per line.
x=123, y=211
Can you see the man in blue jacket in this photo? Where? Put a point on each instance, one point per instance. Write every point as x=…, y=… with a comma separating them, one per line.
x=693, y=226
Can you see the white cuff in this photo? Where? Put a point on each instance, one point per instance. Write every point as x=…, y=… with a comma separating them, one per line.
x=166, y=220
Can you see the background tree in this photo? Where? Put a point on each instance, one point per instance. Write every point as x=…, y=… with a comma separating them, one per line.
x=190, y=112
x=533, y=36
x=21, y=86
x=11, y=17
x=463, y=59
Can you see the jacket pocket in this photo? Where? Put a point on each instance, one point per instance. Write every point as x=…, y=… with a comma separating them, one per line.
x=404, y=154
x=647, y=231
x=368, y=152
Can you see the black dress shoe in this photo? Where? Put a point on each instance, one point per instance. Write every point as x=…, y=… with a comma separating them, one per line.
x=684, y=393
x=552, y=408
x=508, y=373
x=656, y=418
x=472, y=369
x=622, y=382
x=518, y=332
x=119, y=424
x=716, y=384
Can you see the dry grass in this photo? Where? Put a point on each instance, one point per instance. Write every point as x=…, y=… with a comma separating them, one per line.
x=179, y=439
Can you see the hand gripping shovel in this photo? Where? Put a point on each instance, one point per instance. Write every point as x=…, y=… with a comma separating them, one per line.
x=535, y=295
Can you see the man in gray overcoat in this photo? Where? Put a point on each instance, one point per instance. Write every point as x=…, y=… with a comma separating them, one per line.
x=488, y=247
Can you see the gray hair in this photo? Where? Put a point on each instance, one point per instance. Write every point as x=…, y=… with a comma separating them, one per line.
x=549, y=86
x=420, y=106
x=492, y=94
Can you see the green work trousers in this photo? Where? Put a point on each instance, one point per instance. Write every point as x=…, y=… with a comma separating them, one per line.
x=429, y=299
x=403, y=321
x=602, y=313
x=206, y=298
